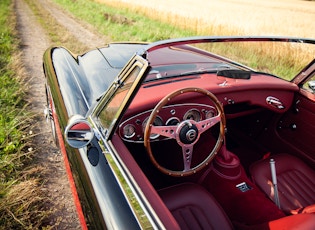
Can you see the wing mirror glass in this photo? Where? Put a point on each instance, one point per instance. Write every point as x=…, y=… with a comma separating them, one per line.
x=79, y=132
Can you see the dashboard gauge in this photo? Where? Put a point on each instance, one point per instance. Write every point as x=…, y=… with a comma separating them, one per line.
x=157, y=122
x=129, y=131
x=210, y=113
x=192, y=114
x=172, y=121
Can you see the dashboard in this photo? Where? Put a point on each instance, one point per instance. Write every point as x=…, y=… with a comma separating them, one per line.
x=238, y=98
x=132, y=129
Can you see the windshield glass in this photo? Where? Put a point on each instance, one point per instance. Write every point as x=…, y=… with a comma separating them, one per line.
x=283, y=59
x=121, y=91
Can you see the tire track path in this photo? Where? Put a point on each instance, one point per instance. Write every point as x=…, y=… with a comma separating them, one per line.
x=34, y=42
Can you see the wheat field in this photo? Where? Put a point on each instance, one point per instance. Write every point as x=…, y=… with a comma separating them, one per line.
x=231, y=17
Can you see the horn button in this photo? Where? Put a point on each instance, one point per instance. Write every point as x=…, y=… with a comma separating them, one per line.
x=188, y=133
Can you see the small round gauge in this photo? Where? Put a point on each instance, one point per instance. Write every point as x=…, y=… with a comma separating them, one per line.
x=172, y=121
x=157, y=122
x=210, y=113
x=192, y=114
x=129, y=131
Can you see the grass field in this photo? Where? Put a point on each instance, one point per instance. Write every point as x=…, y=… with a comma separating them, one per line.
x=126, y=20
x=231, y=17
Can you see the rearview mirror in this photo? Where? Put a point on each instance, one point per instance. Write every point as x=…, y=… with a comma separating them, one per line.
x=79, y=132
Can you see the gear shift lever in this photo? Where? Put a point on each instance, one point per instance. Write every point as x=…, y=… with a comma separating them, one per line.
x=226, y=163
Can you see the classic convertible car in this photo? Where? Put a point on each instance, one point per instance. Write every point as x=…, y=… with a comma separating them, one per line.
x=176, y=135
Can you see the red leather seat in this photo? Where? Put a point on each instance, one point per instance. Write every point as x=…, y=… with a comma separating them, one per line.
x=193, y=207
x=295, y=179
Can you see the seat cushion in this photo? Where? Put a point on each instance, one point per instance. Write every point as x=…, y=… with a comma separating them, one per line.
x=295, y=179
x=194, y=208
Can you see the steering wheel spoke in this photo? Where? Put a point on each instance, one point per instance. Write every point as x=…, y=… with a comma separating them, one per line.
x=206, y=124
x=187, y=151
x=166, y=131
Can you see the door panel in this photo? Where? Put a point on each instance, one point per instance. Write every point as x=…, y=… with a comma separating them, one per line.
x=297, y=127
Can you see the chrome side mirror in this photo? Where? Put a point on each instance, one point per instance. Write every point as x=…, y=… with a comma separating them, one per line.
x=79, y=132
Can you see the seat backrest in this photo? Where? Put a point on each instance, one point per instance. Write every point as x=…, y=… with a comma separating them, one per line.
x=194, y=207
x=295, y=180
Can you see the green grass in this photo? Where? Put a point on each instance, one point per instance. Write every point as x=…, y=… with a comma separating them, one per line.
x=21, y=200
x=11, y=94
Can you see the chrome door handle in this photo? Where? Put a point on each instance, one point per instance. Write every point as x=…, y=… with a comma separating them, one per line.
x=275, y=102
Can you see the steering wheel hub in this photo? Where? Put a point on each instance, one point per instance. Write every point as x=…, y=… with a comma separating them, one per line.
x=188, y=133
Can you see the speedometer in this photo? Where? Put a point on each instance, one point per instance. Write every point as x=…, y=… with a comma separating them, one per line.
x=192, y=114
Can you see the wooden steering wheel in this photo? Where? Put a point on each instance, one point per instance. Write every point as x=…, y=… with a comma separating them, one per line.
x=186, y=133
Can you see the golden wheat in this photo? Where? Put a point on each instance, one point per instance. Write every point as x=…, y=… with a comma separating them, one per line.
x=231, y=17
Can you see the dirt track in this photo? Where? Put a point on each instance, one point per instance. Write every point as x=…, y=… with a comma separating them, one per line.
x=34, y=42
